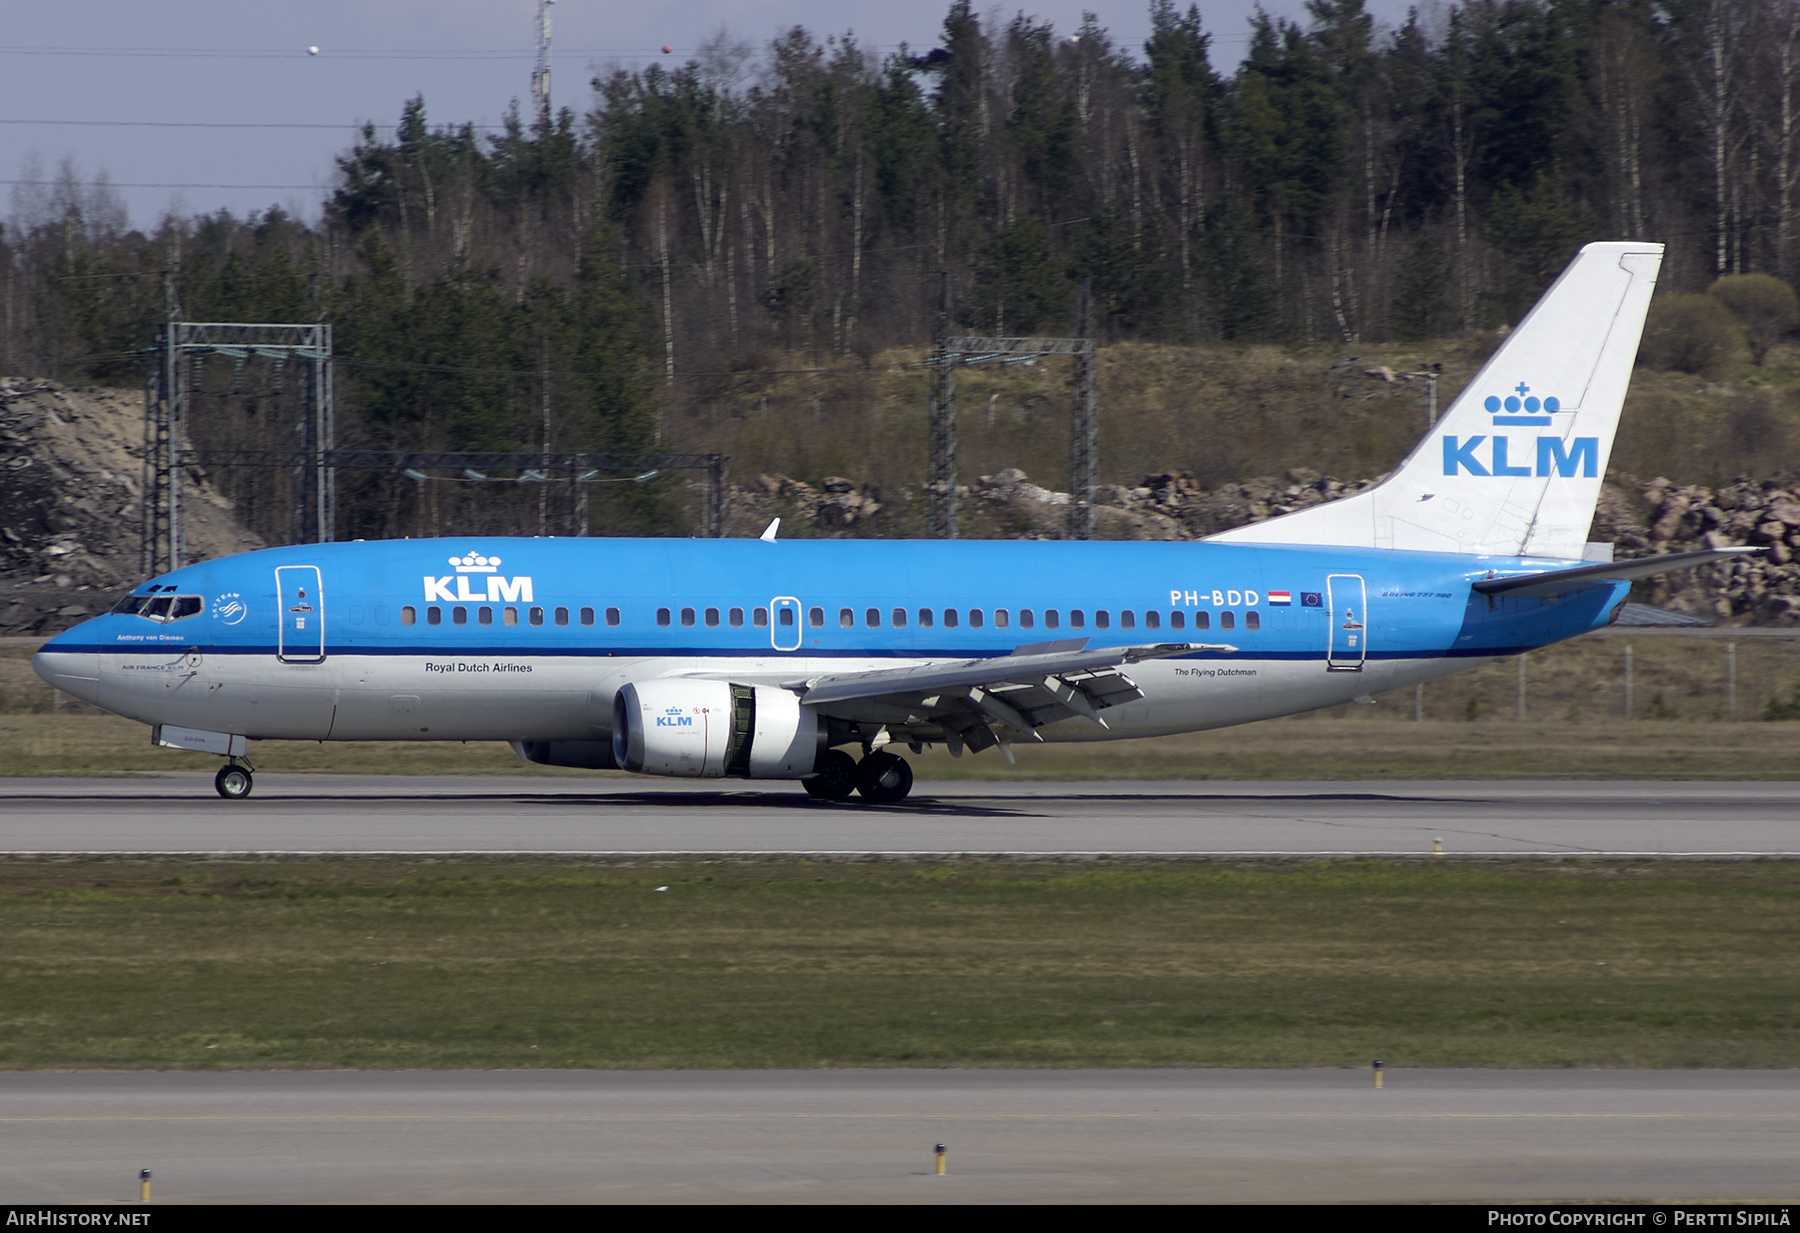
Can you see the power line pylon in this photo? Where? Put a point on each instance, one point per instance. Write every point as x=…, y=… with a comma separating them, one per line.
x=540, y=76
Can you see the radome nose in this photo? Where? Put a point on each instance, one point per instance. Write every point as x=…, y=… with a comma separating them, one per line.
x=76, y=673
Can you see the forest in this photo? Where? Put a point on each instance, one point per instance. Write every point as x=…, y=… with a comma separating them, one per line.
x=670, y=252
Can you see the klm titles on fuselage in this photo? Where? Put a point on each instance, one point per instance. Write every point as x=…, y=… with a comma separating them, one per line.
x=1553, y=456
x=498, y=590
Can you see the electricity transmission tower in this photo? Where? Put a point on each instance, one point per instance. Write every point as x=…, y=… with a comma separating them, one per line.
x=952, y=352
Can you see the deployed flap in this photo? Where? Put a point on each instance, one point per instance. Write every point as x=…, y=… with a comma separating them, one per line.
x=1514, y=467
x=1562, y=581
x=977, y=702
x=1016, y=669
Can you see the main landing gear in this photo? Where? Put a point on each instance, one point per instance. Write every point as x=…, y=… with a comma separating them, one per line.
x=234, y=781
x=882, y=778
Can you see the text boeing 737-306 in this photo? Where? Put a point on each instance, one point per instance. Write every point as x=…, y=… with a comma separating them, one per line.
x=770, y=660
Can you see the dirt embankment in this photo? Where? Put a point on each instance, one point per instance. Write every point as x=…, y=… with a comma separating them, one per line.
x=71, y=476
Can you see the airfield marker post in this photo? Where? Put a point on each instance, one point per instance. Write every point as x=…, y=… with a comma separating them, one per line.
x=942, y=1153
x=1377, y=1065
x=143, y=1185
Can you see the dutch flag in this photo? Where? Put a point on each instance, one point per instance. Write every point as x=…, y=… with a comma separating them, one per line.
x=1280, y=597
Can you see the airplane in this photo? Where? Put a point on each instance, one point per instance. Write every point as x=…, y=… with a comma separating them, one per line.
x=814, y=660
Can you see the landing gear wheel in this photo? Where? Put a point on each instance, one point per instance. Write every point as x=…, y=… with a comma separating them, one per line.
x=233, y=782
x=835, y=778
x=884, y=778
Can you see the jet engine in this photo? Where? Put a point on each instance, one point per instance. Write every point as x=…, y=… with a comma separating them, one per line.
x=713, y=729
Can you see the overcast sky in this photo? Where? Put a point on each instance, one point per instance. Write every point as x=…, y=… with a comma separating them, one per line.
x=92, y=64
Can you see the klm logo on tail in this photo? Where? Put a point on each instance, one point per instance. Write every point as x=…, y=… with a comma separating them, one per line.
x=1521, y=408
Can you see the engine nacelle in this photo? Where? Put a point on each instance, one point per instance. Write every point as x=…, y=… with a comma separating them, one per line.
x=711, y=729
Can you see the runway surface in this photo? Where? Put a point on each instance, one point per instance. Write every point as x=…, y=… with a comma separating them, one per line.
x=377, y=814
x=834, y=1136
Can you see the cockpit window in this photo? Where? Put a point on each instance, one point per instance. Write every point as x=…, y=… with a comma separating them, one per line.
x=163, y=608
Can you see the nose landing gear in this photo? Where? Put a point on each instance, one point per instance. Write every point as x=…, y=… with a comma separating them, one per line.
x=234, y=781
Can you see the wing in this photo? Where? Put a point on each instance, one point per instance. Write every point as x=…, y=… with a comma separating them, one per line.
x=985, y=702
x=1563, y=581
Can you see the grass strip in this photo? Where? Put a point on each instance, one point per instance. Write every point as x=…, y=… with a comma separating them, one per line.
x=383, y=963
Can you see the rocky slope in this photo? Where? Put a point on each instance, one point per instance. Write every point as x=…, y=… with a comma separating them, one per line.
x=71, y=467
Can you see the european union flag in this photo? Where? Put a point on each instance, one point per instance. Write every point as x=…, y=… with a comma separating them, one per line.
x=1312, y=599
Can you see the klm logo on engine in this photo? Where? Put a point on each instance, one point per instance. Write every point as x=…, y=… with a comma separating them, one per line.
x=1554, y=456
x=673, y=718
x=498, y=589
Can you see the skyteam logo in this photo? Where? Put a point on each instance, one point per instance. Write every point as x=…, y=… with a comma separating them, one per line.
x=1537, y=411
x=499, y=590
x=1509, y=456
x=230, y=608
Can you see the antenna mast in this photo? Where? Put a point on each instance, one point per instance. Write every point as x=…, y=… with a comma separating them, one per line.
x=540, y=76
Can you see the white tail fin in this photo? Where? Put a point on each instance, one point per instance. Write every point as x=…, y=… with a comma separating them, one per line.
x=1514, y=467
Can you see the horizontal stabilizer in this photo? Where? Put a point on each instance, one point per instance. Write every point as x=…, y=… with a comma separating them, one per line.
x=1562, y=581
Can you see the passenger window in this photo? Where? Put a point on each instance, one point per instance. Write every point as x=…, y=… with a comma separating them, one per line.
x=1178, y=620
x=1052, y=618
x=712, y=618
x=1026, y=620
x=1102, y=619
x=484, y=615
x=1153, y=620
x=1000, y=618
x=612, y=616
x=872, y=618
x=409, y=615
x=687, y=616
x=949, y=618
x=1128, y=619
x=787, y=617
x=1228, y=620
x=924, y=618
x=434, y=615
x=662, y=616
x=381, y=614
x=899, y=618
x=587, y=616
x=974, y=618
x=562, y=616
x=816, y=618
x=1203, y=620
x=459, y=615
x=846, y=619
x=760, y=618
x=736, y=617
x=537, y=616
x=1077, y=619
x=1253, y=619
x=509, y=616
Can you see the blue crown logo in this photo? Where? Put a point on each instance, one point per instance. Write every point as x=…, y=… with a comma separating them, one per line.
x=1522, y=407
